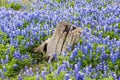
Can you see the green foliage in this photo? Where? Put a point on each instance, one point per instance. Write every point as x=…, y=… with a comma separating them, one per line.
x=26, y=23
x=58, y=1
x=4, y=37
x=30, y=78
x=59, y=77
x=111, y=34
x=43, y=38
x=10, y=70
x=72, y=4
x=4, y=51
x=119, y=25
x=19, y=38
x=89, y=1
x=117, y=65
x=107, y=51
x=14, y=6
x=36, y=21
x=108, y=78
x=80, y=41
x=117, y=69
x=13, y=71
x=50, y=76
x=89, y=26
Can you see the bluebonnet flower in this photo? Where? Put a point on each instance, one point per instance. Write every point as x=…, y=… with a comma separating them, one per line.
x=114, y=57
x=80, y=76
x=78, y=45
x=15, y=65
x=31, y=71
x=85, y=50
x=71, y=57
x=83, y=57
x=75, y=52
x=26, y=72
x=79, y=63
x=86, y=70
x=67, y=76
x=27, y=44
x=8, y=50
x=89, y=46
x=2, y=75
x=91, y=54
x=90, y=68
x=20, y=77
x=95, y=75
x=103, y=55
x=76, y=69
x=43, y=74
x=17, y=55
x=105, y=29
x=114, y=75
x=37, y=69
x=118, y=78
x=4, y=69
x=37, y=76
x=51, y=68
x=59, y=69
x=69, y=48
x=26, y=67
x=100, y=34
x=105, y=74
x=2, y=61
x=64, y=66
x=68, y=64
x=64, y=54
x=55, y=57
x=98, y=67
x=26, y=56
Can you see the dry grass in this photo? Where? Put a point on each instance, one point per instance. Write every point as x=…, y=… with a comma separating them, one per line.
x=2, y=2
x=24, y=1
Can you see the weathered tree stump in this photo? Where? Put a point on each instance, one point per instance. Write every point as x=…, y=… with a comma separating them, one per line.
x=65, y=34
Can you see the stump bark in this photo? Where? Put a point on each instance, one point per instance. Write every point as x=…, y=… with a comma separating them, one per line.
x=65, y=34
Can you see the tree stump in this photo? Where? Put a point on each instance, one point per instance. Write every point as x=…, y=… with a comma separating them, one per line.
x=65, y=34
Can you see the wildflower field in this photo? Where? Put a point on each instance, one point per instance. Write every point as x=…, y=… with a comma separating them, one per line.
x=24, y=25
